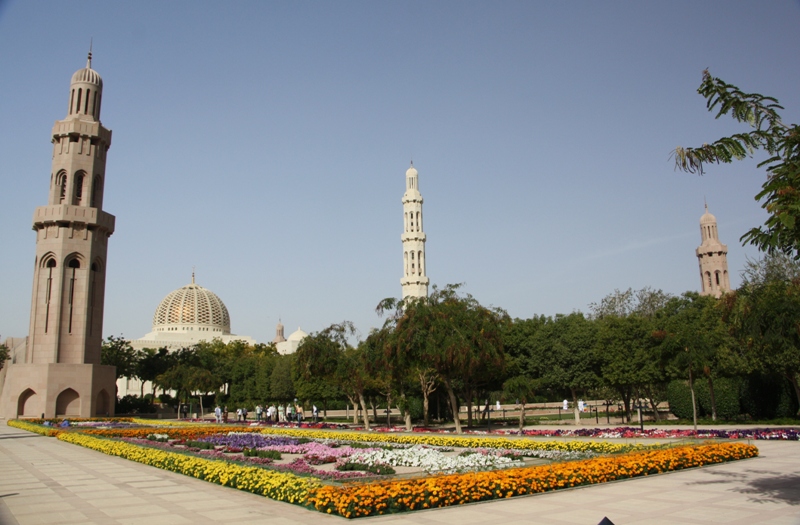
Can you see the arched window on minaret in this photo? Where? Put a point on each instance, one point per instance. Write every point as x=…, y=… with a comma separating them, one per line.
x=405, y=221
x=80, y=178
x=708, y=280
x=73, y=267
x=72, y=102
x=419, y=223
x=419, y=263
x=405, y=263
x=61, y=182
x=48, y=290
x=78, y=108
x=413, y=267
x=97, y=188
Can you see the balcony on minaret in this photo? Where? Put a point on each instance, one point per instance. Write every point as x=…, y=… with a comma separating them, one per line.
x=65, y=213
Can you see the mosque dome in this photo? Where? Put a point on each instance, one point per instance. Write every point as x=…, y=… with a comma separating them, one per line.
x=192, y=309
x=412, y=171
x=298, y=335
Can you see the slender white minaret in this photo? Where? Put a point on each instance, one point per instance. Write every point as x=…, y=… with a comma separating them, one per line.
x=713, y=258
x=415, y=280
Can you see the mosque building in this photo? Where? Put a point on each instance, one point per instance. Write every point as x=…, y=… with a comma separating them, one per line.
x=288, y=346
x=712, y=257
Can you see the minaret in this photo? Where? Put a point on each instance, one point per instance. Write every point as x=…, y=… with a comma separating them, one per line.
x=279, y=338
x=62, y=374
x=713, y=258
x=415, y=280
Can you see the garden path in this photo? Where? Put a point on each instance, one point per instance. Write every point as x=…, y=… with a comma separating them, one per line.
x=46, y=481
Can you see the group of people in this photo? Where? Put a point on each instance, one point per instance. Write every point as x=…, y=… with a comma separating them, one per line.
x=292, y=412
x=581, y=405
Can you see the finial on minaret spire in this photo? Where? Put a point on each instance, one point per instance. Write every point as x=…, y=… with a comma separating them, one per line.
x=192, y=274
x=89, y=58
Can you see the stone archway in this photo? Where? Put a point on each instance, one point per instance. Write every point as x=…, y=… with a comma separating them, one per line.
x=68, y=403
x=101, y=406
x=28, y=404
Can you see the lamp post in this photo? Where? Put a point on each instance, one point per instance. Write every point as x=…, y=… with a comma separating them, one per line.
x=641, y=420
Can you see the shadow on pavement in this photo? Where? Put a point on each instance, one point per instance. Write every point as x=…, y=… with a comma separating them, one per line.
x=784, y=488
x=19, y=436
x=763, y=486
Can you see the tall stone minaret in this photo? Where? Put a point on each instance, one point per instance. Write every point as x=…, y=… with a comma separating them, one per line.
x=62, y=374
x=415, y=280
x=713, y=258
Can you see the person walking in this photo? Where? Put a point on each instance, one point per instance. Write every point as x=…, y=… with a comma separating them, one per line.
x=259, y=412
x=225, y=414
x=299, y=414
x=314, y=413
x=281, y=413
x=218, y=414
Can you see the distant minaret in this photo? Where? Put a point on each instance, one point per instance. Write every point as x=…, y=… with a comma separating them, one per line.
x=415, y=280
x=713, y=258
x=279, y=338
x=61, y=374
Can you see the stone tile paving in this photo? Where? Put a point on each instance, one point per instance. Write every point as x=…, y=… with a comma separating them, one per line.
x=45, y=481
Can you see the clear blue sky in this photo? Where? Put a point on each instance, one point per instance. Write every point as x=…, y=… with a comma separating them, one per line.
x=266, y=144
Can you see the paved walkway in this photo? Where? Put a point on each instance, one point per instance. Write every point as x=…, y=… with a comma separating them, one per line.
x=46, y=481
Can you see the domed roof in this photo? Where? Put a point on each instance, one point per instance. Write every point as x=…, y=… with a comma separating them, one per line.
x=707, y=217
x=297, y=335
x=192, y=307
x=87, y=74
x=412, y=171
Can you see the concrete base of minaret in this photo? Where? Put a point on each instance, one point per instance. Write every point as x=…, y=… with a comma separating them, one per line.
x=58, y=389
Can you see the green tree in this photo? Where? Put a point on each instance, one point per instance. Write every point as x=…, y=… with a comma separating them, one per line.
x=328, y=355
x=281, y=384
x=5, y=354
x=563, y=355
x=453, y=335
x=780, y=194
x=630, y=364
x=522, y=388
x=117, y=352
x=151, y=364
x=188, y=375
x=765, y=314
x=696, y=342
x=517, y=343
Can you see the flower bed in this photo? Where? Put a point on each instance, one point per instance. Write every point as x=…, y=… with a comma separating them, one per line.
x=602, y=447
x=32, y=427
x=297, y=481
x=358, y=500
x=280, y=486
x=787, y=433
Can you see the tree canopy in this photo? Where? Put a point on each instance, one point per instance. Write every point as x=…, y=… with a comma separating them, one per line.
x=780, y=194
